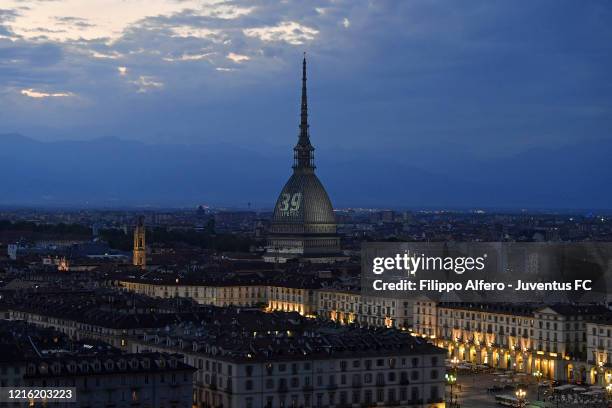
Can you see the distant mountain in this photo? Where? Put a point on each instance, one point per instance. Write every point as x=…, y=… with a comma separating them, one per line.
x=112, y=172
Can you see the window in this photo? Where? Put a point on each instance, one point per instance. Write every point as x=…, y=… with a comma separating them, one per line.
x=434, y=394
x=368, y=397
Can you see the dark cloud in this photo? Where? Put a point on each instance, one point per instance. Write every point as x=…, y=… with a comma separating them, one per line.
x=74, y=22
x=8, y=15
x=476, y=77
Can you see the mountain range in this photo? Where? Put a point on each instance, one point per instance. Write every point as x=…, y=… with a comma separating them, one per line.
x=111, y=172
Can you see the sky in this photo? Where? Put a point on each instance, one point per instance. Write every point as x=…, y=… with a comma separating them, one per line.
x=417, y=81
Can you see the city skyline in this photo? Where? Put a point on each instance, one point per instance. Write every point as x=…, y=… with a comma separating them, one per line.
x=322, y=204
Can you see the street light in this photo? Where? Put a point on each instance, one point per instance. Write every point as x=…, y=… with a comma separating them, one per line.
x=451, y=379
x=538, y=375
x=454, y=363
x=520, y=395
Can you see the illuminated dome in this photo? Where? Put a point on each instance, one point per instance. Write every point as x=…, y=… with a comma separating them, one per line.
x=303, y=224
x=303, y=207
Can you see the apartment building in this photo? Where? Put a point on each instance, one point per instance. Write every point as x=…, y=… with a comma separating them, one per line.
x=333, y=366
x=550, y=339
x=354, y=307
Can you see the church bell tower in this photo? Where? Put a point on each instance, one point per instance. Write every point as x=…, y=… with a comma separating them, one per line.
x=139, y=257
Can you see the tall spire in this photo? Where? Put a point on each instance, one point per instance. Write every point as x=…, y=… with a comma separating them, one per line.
x=303, y=150
x=304, y=111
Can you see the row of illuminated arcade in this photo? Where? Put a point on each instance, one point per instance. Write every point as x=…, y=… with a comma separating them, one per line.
x=568, y=343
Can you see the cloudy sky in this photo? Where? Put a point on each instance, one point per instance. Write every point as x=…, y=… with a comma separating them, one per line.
x=488, y=78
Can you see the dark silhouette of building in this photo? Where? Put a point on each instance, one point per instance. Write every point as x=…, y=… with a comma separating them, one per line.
x=303, y=225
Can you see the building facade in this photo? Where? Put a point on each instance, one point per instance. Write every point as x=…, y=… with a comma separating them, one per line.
x=309, y=370
x=552, y=340
x=340, y=306
x=223, y=295
x=151, y=380
x=354, y=307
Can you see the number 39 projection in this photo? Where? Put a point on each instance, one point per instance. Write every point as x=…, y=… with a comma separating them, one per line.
x=289, y=204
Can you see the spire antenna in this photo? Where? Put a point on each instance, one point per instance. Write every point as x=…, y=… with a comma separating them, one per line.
x=304, y=111
x=303, y=151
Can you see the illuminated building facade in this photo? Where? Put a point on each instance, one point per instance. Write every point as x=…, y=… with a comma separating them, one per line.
x=340, y=306
x=224, y=295
x=551, y=340
x=290, y=299
x=354, y=307
x=139, y=257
